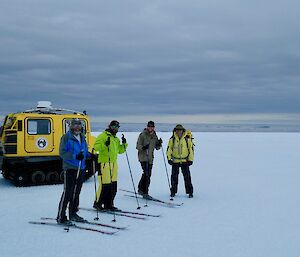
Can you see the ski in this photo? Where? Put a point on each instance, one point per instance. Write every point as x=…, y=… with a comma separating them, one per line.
x=140, y=213
x=72, y=226
x=167, y=204
x=92, y=223
x=114, y=212
x=150, y=198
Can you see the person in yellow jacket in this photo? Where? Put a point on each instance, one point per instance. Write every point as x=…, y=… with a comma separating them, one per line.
x=180, y=154
x=108, y=147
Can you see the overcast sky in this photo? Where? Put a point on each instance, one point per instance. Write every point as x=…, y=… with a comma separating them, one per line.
x=167, y=59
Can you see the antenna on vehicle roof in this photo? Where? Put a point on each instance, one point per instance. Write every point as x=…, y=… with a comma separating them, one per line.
x=44, y=104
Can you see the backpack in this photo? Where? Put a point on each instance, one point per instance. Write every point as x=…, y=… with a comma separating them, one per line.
x=189, y=135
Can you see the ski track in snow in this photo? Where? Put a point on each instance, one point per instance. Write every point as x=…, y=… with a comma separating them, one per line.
x=246, y=204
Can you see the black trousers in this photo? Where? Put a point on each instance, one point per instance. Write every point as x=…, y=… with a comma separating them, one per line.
x=108, y=194
x=185, y=169
x=146, y=176
x=70, y=195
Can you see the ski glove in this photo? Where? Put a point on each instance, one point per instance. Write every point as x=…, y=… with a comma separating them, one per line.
x=170, y=162
x=94, y=157
x=159, y=143
x=189, y=163
x=145, y=147
x=124, y=141
x=80, y=156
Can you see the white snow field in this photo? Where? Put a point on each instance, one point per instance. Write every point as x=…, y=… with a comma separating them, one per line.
x=246, y=204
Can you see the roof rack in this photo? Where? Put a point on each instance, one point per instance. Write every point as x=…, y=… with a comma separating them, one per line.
x=46, y=107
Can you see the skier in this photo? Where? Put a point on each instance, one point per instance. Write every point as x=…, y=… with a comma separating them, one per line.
x=108, y=146
x=74, y=151
x=180, y=154
x=146, y=143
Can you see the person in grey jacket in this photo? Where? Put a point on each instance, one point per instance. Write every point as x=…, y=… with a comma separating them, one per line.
x=146, y=143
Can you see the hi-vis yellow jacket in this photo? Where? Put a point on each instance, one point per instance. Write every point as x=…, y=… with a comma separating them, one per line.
x=111, y=152
x=180, y=150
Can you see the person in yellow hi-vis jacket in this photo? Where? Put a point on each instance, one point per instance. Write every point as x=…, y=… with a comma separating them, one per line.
x=108, y=147
x=180, y=154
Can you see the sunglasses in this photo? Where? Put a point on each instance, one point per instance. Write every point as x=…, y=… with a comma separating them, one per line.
x=115, y=126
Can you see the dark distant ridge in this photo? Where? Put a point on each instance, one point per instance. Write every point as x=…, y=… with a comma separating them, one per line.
x=167, y=127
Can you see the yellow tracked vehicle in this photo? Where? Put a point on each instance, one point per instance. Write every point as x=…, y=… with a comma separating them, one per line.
x=29, y=144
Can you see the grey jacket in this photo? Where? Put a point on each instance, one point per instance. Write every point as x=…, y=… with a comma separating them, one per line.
x=146, y=138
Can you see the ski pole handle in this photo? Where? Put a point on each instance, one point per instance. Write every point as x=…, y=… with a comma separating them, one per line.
x=123, y=139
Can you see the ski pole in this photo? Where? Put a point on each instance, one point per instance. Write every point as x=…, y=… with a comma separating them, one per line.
x=111, y=193
x=94, y=171
x=76, y=181
x=147, y=174
x=137, y=201
x=163, y=153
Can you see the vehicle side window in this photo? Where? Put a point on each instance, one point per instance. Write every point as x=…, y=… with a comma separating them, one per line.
x=39, y=127
x=68, y=123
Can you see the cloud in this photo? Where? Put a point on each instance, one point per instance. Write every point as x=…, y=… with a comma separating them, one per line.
x=135, y=58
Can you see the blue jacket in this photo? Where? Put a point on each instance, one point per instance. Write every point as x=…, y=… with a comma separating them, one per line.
x=69, y=148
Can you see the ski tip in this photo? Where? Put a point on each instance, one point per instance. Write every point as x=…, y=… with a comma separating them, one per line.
x=115, y=233
x=111, y=233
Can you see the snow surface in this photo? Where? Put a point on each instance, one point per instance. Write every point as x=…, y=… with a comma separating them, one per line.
x=246, y=204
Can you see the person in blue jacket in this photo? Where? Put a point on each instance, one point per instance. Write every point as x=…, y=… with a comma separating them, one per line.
x=74, y=151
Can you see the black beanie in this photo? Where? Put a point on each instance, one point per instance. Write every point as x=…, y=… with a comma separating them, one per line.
x=150, y=124
x=114, y=123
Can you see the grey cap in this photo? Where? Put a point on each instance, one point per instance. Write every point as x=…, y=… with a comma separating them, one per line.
x=75, y=121
x=179, y=127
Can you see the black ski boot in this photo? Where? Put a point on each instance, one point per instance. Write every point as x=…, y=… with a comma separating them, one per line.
x=64, y=221
x=147, y=196
x=98, y=206
x=75, y=217
x=191, y=195
x=113, y=208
